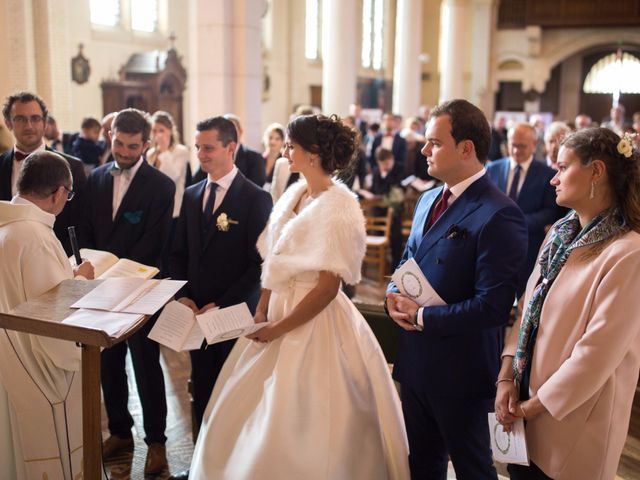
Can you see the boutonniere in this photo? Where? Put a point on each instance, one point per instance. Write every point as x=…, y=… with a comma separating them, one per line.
x=223, y=222
x=455, y=231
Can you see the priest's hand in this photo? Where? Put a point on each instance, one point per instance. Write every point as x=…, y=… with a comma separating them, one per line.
x=85, y=269
x=402, y=310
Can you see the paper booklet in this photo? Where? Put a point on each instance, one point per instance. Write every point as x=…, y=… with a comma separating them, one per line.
x=107, y=265
x=112, y=323
x=508, y=447
x=413, y=284
x=179, y=329
x=130, y=295
x=176, y=328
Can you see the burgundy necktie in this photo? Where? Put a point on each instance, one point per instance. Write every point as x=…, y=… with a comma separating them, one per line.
x=439, y=208
x=19, y=156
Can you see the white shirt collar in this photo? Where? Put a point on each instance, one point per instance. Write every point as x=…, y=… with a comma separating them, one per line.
x=131, y=172
x=42, y=146
x=524, y=165
x=225, y=181
x=18, y=200
x=459, y=188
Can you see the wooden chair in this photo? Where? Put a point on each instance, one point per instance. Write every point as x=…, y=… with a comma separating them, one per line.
x=378, y=233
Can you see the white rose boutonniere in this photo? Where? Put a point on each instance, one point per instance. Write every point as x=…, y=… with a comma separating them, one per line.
x=223, y=222
x=625, y=145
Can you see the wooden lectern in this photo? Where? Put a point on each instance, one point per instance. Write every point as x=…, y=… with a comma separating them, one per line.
x=42, y=316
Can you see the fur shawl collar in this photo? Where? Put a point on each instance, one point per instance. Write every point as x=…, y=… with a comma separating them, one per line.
x=329, y=234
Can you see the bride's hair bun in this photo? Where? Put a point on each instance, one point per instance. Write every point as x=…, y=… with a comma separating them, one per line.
x=334, y=142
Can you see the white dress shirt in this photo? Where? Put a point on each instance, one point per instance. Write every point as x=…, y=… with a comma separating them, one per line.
x=512, y=171
x=121, y=184
x=223, y=186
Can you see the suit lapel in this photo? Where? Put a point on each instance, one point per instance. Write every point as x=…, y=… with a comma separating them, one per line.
x=455, y=214
x=529, y=182
x=504, y=176
x=231, y=198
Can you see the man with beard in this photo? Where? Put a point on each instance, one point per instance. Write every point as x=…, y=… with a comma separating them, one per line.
x=128, y=211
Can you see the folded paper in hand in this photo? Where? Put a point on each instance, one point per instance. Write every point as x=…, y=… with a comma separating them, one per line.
x=413, y=284
x=179, y=329
x=508, y=447
x=227, y=323
x=176, y=328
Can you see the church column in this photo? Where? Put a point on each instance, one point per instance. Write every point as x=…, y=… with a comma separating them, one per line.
x=17, y=37
x=481, y=94
x=453, y=49
x=225, y=62
x=339, y=56
x=407, y=68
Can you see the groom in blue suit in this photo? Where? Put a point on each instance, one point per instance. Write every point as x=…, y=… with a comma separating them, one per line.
x=470, y=241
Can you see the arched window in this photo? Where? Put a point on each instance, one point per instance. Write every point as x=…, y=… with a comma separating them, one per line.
x=614, y=74
x=143, y=14
x=372, y=33
x=312, y=29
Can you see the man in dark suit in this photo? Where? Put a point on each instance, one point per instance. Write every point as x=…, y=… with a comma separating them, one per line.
x=390, y=139
x=219, y=260
x=248, y=161
x=128, y=212
x=526, y=182
x=469, y=239
x=25, y=115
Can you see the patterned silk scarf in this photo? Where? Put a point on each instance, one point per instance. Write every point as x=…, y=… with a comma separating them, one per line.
x=566, y=237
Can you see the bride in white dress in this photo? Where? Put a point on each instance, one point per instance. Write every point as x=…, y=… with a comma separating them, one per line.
x=309, y=396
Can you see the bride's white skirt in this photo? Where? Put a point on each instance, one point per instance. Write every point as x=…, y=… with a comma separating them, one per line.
x=317, y=403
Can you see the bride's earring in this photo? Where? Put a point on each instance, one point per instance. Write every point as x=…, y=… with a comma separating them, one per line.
x=311, y=162
x=592, y=192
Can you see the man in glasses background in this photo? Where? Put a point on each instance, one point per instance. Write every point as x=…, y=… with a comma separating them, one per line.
x=25, y=115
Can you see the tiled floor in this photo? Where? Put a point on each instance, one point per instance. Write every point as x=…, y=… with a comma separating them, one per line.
x=180, y=445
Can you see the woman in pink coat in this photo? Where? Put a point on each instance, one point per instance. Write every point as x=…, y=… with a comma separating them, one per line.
x=570, y=365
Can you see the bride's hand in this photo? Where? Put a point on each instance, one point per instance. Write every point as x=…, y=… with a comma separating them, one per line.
x=266, y=334
x=260, y=317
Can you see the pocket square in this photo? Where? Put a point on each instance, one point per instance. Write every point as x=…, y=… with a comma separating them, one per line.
x=454, y=231
x=133, y=217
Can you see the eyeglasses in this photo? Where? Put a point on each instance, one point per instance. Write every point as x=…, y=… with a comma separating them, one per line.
x=70, y=194
x=21, y=119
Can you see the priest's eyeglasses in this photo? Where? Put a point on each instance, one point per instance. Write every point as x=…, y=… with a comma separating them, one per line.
x=70, y=193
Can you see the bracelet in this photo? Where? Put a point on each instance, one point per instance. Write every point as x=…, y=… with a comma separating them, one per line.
x=500, y=380
x=524, y=414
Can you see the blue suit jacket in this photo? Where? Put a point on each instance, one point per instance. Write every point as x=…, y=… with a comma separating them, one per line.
x=225, y=268
x=399, y=150
x=537, y=200
x=458, y=353
x=141, y=224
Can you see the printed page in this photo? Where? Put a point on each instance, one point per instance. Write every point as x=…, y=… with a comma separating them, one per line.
x=227, y=323
x=130, y=295
x=413, y=284
x=173, y=326
x=113, y=323
x=109, y=293
x=100, y=260
x=194, y=339
x=128, y=268
x=150, y=297
x=508, y=447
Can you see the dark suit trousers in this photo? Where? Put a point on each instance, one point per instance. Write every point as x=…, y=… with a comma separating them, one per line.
x=442, y=427
x=205, y=368
x=523, y=472
x=145, y=356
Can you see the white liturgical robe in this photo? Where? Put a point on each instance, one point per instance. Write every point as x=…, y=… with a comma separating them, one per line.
x=41, y=411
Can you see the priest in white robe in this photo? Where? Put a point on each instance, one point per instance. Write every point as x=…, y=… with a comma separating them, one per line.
x=41, y=398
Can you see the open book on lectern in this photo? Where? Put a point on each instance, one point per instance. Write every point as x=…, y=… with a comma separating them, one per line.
x=180, y=329
x=107, y=265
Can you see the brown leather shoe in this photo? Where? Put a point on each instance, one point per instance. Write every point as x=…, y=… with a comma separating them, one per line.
x=156, y=459
x=115, y=445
